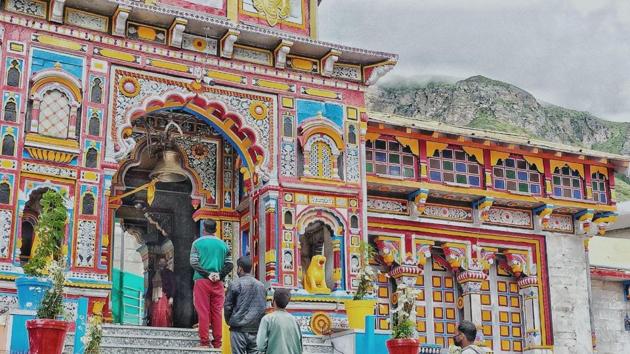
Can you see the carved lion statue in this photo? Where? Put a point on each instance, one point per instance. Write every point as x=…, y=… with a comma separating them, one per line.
x=315, y=280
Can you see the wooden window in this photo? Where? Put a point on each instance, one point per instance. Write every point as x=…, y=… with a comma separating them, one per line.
x=13, y=74
x=10, y=111
x=91, y=158
x=600, y=188
x=87, y=206
x=94, y=126
x=567, y=183
x=389, y=157
x=96, y=93
x=455, y=166
x=8, y=145
x=517, y=175
x=5, y=193
x=287, y=126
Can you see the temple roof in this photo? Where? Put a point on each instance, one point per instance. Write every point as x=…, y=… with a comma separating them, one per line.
x=621, y=162
x=200, y=23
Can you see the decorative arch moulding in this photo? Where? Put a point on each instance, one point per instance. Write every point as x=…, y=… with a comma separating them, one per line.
x=235, y=114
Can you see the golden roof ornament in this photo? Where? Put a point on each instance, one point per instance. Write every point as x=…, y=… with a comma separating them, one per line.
x=273, y=10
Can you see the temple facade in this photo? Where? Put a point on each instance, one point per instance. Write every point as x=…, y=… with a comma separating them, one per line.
x=266, y=130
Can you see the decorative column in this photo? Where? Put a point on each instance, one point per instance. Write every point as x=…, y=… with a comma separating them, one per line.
x=271, y=205
x=406, y=274
x=37, y=99
x=471, y=280
x=72, y=123
x=337, y=271
x=531, y=314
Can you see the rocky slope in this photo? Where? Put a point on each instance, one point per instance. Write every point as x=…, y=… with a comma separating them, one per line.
x=484, y=103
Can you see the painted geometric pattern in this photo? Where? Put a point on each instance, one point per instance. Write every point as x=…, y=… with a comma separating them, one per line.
x=421, y=310
x=511, y=217
x=387, y=205
x=6, y=218
x=444, y=296
x=85, y=243
x=7, y=302
x=54, y=115
x=352, y=164
x=560, y=223
x=448, y=212
x=235, y=102
x=205, y=167
x=320, y=160
x=288, y=166
x=382, y=306
x=501, y=315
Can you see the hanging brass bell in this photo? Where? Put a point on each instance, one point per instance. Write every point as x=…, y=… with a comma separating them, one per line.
x=168, y=169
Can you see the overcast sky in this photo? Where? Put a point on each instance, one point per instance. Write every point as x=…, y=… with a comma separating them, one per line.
x=573, y=53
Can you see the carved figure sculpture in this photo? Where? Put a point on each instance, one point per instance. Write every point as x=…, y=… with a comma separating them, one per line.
x=273, y=10
x=315, y=280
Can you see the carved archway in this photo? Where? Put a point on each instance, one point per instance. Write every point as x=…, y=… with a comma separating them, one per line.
x=228, y=124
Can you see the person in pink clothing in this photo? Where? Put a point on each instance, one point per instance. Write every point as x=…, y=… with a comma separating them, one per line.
x=211, y=260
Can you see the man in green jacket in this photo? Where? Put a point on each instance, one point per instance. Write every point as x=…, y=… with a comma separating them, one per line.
x=210, y=258
x=279, y=332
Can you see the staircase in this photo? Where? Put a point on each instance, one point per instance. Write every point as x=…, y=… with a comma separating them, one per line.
x=119, y=339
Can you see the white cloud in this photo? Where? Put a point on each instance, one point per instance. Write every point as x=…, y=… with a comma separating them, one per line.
x=572, y=53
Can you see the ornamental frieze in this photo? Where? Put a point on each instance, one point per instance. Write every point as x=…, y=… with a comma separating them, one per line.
x=138, y=93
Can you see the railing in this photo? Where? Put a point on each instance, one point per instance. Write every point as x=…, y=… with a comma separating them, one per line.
x=132, y=310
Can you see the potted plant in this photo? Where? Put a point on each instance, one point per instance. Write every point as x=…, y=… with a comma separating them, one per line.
x=404, y=325
x=50, y=231
x=359, y=306
x=47, y=333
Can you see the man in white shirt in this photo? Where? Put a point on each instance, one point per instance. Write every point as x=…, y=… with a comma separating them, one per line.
x=465, y=337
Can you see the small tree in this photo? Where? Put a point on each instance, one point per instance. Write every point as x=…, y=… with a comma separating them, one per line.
x=367, y=274
x=50, y=230
x=52, y=304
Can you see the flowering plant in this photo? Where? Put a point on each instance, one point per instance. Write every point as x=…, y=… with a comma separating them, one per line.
x=93, y=336
x=404, y=315
x=367, y=274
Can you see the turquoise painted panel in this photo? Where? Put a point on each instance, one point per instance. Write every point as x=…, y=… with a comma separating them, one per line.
x=331, y=111
x=45, y=59
x=125, y=297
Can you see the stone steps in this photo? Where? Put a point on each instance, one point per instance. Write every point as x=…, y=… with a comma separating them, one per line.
x=119, y=339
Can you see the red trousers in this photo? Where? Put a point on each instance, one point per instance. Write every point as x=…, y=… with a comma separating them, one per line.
x=208, y=298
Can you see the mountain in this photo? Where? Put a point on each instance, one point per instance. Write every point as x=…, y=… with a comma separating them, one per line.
x=480, y=102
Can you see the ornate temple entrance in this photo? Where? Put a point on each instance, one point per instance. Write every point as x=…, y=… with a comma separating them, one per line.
x=162, y=220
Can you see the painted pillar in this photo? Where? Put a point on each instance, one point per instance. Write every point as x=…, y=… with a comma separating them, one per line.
x=337, y=272
x=423, y=161
x=587, y=182
x=471, y=280
x=72, y=123
x=270, y=215
x=37, y=98
x=531, y=313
